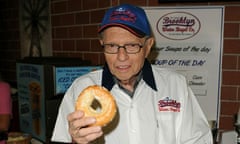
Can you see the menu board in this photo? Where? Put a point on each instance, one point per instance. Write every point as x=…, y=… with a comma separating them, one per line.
x=64, y=76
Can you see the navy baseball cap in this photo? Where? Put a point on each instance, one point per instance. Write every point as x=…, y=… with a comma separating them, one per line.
x=129, y=17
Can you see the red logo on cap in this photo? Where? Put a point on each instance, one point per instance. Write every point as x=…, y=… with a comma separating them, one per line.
x=124, y=15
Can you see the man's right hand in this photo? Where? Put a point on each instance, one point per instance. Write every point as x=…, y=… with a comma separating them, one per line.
x=80, y=130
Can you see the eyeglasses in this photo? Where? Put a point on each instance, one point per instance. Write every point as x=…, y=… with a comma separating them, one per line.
x=131, y=48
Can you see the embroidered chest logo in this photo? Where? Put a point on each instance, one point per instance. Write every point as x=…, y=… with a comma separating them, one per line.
x=168, y=104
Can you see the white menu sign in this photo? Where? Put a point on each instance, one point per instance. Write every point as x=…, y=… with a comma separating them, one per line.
x=190, y=40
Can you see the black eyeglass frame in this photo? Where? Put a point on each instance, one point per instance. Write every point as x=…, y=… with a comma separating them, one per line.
x=125, y=47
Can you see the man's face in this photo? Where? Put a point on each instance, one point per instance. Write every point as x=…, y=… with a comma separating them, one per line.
x=123, y=65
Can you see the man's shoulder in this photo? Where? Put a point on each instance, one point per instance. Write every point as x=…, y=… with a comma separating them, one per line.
x=168, y=75
x=92, y=77
x=165, y=71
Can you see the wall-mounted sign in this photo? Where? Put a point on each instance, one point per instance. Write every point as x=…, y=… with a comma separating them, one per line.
x=190, y=40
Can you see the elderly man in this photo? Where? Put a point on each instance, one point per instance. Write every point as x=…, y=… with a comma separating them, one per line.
x=155, y=105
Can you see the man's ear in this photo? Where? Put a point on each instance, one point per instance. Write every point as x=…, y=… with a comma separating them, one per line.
x=149, y=44
x=101, y=41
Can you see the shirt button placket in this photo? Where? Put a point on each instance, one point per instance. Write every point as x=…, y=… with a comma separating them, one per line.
x=133, y=124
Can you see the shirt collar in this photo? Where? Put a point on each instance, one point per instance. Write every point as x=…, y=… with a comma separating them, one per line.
x=147, y=74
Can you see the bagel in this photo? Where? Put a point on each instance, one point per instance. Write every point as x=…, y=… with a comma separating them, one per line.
x=106, y=106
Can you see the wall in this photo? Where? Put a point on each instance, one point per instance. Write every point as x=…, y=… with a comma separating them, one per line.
x=9, y=38
x=74, y=26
